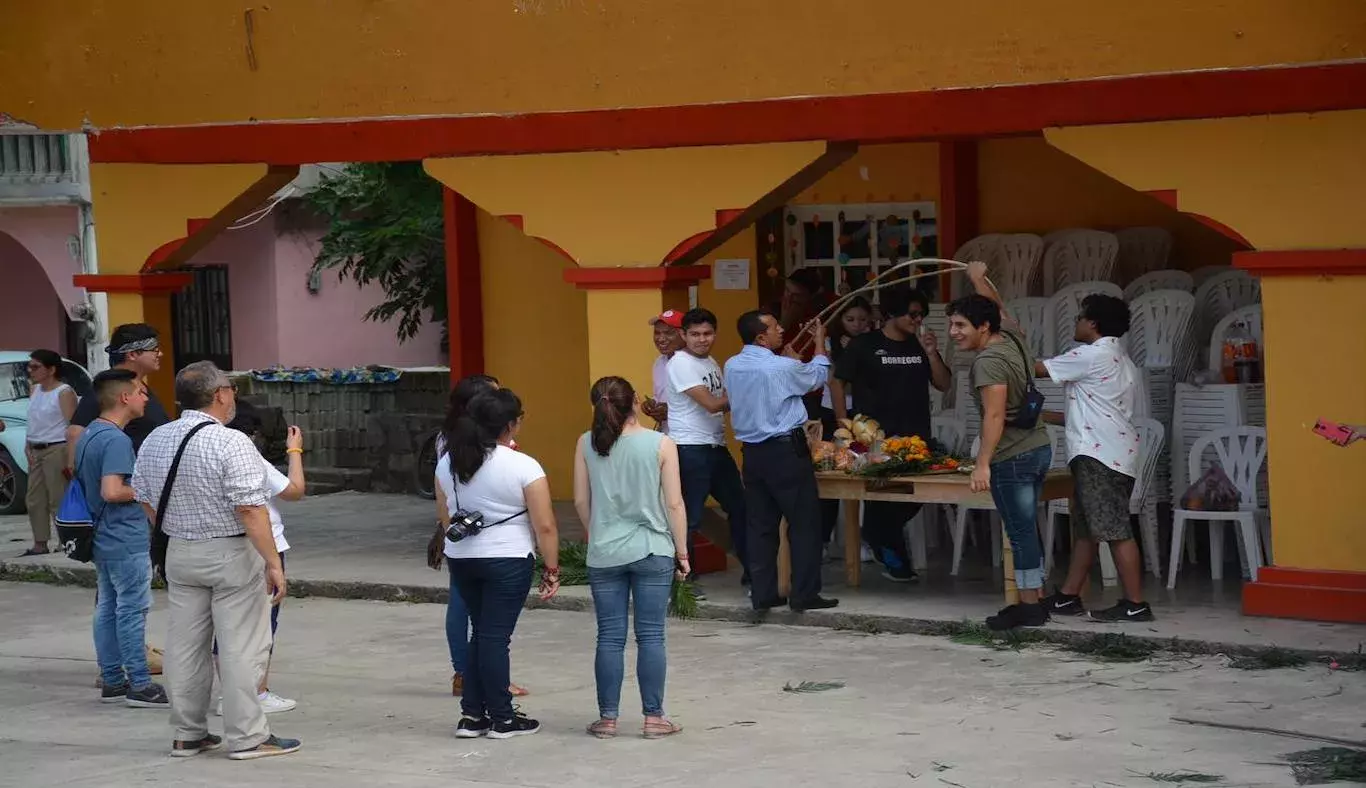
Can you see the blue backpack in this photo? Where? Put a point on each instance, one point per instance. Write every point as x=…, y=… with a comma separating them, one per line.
x=75, y=524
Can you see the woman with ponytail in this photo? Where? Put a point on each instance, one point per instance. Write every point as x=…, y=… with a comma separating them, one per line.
x=504, y=493
x=457, y=614
x=629, y=498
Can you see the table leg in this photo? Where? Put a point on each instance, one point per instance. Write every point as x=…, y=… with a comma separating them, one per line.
x=853, y=560
x=1008, y=566
x=784, y=560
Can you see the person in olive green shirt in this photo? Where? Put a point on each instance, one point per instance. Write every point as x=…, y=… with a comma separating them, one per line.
x=1013, y=458
x=629, y=498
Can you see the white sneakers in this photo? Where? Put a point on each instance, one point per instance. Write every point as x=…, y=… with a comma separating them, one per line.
x=270, y=704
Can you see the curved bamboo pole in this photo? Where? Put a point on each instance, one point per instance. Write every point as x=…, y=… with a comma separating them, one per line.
x=826, y=315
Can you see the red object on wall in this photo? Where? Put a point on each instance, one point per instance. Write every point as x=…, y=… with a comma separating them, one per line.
x=464, y=296
x=637, y=277
x=1315, y=595
x=146, y=284
x=1303, y=262
x=958, y=202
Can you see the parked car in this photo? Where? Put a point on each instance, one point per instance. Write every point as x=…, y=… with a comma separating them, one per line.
x=14, y=387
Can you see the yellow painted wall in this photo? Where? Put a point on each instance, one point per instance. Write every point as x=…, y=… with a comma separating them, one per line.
x=1284, y=182
x=728, y=305
x=139, y=207
x=1027, y=185
x=624, y=207
x=880, y=173
x=536, y=343
x=162, y=62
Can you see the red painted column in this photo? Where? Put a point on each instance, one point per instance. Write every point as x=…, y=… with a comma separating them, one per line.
x=958, y=202
x=464, y=294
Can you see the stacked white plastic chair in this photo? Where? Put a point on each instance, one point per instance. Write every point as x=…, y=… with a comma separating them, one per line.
x=1241, y=452
x=1220, y=294
x=1065, y=305
x=984, y=247
x=1159, y=327
x=1249, y=317
x=1165, y=279
x=1078, y=256
x=1032, y=315
x=1204, y=272
x=1141, y=250
x=1141, y=503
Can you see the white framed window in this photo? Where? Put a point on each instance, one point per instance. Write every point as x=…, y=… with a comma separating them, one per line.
x=852, y=243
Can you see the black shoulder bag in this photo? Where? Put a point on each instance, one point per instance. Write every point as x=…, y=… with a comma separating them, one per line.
x=160, y=541
x=1032, y=408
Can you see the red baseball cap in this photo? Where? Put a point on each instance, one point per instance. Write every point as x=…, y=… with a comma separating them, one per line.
x=669, y=317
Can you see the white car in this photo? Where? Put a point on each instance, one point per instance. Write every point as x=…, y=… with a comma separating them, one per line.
x=14, y=387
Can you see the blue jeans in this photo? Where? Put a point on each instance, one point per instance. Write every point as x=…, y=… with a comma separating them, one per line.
x=649, y=581
x=123, y=596
x=710, y=470
x=457, y=625
x=494, y=590
x=1016, y=484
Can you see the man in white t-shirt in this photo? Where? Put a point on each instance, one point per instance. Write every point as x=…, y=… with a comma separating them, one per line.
x=668, y=339
x=1102, y=387
x=697, y=405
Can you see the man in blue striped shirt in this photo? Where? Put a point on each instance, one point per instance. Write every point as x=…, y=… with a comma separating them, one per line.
x=767, y=414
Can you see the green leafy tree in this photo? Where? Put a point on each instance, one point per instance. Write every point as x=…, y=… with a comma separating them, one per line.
x=385, y=225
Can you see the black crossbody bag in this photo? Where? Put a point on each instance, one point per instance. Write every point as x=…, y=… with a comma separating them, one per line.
x=160, y=541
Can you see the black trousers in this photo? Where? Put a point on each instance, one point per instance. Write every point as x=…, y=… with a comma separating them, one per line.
x=884, y=529
x=780, y=482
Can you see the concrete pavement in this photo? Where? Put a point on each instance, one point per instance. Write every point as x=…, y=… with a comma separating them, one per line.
x=372, y=680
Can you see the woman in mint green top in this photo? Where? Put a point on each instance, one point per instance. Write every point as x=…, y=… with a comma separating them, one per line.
x=629, y=498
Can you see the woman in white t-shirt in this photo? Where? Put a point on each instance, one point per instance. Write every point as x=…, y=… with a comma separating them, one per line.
x=495, y=504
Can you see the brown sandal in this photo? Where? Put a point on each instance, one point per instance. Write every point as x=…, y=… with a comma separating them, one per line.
x=603, y=728
x=658, y=730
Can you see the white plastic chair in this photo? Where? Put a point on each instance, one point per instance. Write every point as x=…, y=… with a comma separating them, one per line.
x=1057, y=435
x=960, y=526
x=1250, y=316
x=1079, y=256
x=1204, y=272
x=1165, y=279
x=1065, y=305
x=1017, y=258
x=1219, y=295
x=1032, y=315
x=1141, y=250
x=1241, y=452
x=1159, y=327
x=985, y=248
x=1151, y=435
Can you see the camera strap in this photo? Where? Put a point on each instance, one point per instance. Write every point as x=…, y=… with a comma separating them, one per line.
x=456, y=487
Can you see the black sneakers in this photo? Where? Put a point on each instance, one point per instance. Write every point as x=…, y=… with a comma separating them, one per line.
x=472, y=727
x=113, y=694
x=519, y=725
x=814, y=603
x=189, y=749
x=1060, y=604
x=1124, y=610
x=1019, y=615
x=152, y=696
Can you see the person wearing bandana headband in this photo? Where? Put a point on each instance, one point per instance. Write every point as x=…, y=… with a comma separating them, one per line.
x=135, y=347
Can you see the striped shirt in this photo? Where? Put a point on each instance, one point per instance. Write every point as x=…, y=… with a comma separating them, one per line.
x=766, y=392
x=220, y=471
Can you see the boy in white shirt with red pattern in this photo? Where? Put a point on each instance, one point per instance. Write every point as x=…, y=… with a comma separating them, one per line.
x=1102, y=389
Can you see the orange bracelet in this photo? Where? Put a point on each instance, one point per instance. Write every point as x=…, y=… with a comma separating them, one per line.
x=294, y=451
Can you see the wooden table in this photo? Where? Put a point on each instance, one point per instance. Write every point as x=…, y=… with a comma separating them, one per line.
x=951, y=488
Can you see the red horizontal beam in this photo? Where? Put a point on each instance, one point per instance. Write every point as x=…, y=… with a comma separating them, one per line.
x=653, y=277
x=883, y=117
x=1303, y=262
x=145, y=284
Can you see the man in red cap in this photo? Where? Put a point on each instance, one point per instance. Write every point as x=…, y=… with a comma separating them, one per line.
x=668, y=339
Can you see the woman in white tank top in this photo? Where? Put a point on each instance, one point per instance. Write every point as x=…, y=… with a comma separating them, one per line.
x=50, y=405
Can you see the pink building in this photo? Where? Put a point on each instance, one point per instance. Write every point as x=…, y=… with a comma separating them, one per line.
x=255, y=302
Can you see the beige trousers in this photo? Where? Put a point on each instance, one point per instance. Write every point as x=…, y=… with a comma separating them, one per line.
x=217, y=587
x=46, y=486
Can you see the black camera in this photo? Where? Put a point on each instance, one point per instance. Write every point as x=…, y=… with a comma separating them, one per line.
x=464, y=524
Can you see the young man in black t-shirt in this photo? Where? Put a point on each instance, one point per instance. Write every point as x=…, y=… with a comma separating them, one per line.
x=891, y=372
x=134, y=347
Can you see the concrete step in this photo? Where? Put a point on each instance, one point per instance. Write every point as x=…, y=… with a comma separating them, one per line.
x=325, y=481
